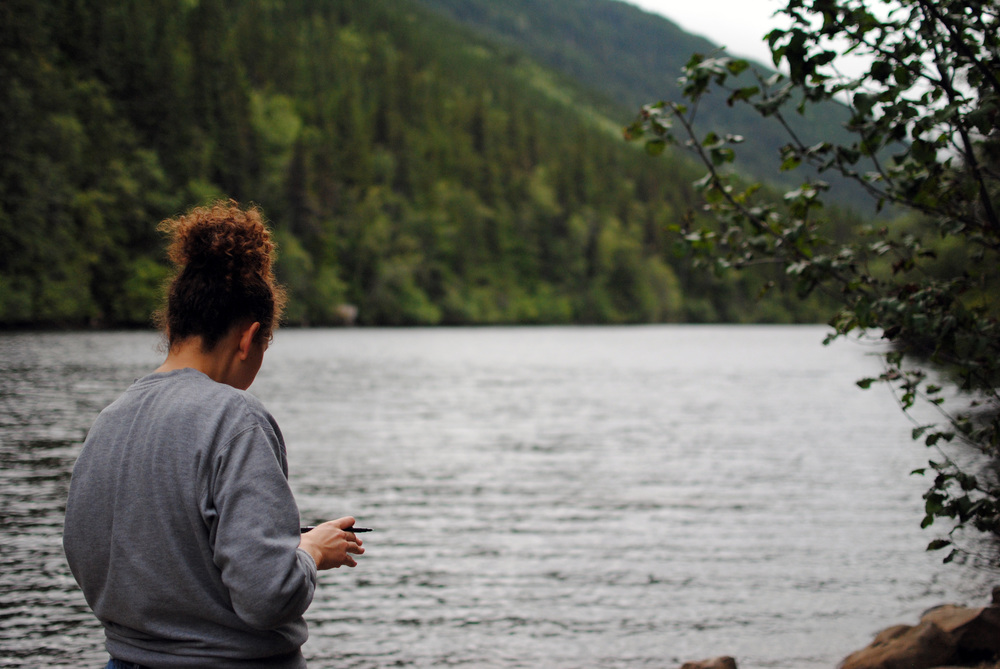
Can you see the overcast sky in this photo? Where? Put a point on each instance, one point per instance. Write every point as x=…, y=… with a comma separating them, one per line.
x=738, y=25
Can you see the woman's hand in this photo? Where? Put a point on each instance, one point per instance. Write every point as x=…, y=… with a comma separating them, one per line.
x=330, y=546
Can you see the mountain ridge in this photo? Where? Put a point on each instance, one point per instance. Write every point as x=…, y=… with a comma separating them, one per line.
x=632, y=57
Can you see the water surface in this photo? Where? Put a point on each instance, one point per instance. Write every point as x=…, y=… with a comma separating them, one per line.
x=543, y=497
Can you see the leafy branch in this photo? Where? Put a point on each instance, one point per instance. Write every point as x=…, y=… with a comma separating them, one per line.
x=925, y=276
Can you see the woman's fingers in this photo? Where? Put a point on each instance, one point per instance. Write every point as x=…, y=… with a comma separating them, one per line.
x=331, y=545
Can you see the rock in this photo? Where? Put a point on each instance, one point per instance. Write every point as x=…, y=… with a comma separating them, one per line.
x=724, y=662
x=947, y=635
x=346, y=314
x=904, y=647
x=976, y=632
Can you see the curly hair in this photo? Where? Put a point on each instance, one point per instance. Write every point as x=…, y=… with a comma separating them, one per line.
x=223, y=256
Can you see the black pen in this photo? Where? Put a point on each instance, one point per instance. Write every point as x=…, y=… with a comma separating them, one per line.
x=303, y=530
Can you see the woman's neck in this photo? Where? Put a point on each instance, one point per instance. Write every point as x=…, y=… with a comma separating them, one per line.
x=190, y=354
x=234, y=360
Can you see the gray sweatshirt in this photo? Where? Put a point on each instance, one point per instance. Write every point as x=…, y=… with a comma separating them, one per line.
x=182, y=531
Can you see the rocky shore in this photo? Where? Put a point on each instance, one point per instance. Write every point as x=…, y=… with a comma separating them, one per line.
x=946, y=637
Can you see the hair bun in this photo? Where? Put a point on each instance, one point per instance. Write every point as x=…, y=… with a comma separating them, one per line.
x=224, y=277
x=221, y=240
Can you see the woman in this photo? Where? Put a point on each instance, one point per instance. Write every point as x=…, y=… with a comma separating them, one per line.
x=180, y=525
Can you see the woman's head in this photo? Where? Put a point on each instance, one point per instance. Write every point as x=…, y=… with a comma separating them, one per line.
x=223, y=255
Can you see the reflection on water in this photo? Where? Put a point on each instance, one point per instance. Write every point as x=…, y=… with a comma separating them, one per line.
x=557, y=497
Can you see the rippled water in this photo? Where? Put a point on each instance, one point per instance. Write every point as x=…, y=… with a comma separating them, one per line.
x=543, y=497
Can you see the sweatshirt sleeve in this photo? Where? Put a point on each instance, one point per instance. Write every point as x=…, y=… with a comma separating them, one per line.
x=270, y=580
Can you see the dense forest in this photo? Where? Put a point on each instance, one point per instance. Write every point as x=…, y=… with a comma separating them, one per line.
x=411, y=168
x=633, y=58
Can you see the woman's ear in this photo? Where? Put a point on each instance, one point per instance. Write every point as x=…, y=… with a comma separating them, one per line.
x=247, y=336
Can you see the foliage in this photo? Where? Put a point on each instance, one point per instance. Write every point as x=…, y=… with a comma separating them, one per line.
x=925, y=117
x=411, y=169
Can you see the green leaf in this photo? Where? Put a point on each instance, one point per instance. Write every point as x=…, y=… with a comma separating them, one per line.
x=722, y=156
x=655, y=147
x=863, y=103
x=742, y=94
x=737, y=66
x=934, y=504
x=790, y=163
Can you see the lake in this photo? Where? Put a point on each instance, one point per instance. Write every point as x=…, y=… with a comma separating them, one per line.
x=542, y=497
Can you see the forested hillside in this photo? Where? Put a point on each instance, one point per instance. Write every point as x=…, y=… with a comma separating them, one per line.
x=632, y=57
x=410, y=168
